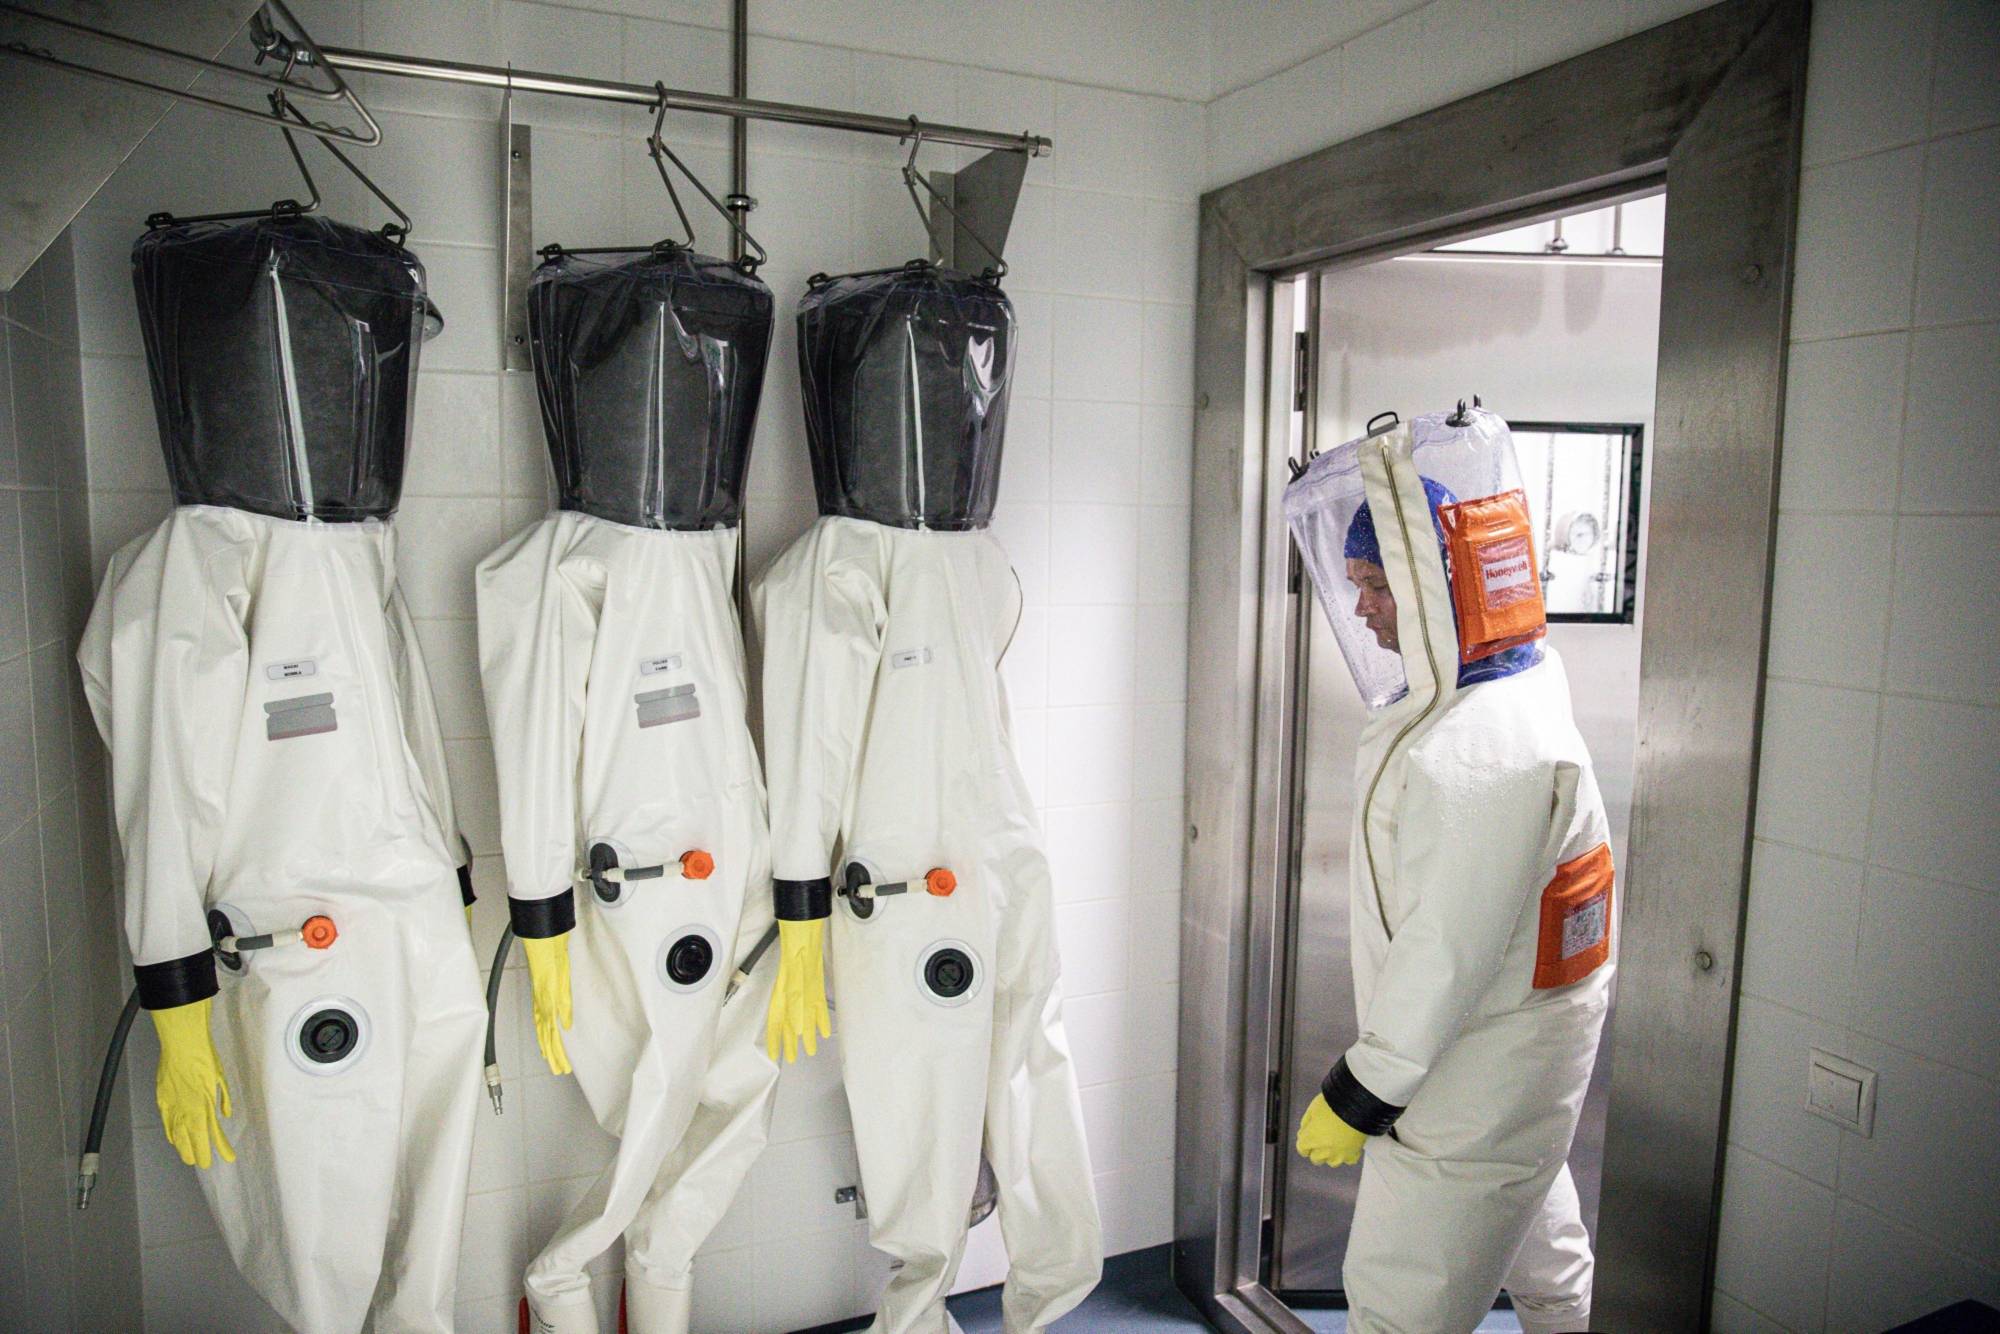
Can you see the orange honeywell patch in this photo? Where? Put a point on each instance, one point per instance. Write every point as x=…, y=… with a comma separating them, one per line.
x=1576, y=920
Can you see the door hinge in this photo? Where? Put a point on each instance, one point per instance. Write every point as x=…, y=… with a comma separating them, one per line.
x=1271, y=1105
x=1301, y=369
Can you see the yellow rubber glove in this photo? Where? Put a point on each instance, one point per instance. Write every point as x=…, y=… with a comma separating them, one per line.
x=190, y=1083
x=1326, y=1139
x=548, y=983
x=798, y=1001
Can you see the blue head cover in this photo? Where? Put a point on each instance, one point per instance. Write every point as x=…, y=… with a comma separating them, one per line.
x=1362, y=543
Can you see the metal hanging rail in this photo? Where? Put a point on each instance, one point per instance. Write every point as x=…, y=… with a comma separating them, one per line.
x=502, y=78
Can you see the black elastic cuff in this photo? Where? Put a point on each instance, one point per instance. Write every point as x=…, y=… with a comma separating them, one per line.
x=802, y=900
x=539, y=919
x=1354, y=1104
x=465, y=893
x=177, y=982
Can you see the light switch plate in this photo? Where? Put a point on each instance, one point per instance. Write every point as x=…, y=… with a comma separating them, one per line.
x=1840, y=1091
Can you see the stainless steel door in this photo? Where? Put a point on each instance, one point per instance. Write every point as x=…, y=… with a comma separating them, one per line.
x=1311, y=1207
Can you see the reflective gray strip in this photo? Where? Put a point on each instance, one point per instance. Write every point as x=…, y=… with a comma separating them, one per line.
x=675, y=704
x=302, y=715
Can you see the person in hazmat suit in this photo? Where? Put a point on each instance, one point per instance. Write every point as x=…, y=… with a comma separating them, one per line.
x=294, y=875
x=1481, y=902
x=894, y=790
x=631, y=802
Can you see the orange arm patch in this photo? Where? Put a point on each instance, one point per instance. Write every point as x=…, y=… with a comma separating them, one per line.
x=1576, y=920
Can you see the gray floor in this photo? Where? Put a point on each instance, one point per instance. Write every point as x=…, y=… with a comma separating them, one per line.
x=1138, y=1296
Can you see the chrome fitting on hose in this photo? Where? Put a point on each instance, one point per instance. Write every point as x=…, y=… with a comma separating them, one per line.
x=86, y=1180
x=493, y=1087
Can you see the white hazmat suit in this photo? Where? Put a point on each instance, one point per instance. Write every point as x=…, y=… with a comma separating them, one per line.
x=279, y=776
x=886, y=730
x=1481, y=901
x=613, y=666
x=275, y=757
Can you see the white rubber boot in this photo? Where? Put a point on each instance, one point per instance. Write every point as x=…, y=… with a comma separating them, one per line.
x=571, y=1317
x=655, y=1310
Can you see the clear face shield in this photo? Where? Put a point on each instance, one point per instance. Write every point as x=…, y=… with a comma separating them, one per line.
x=649, y=371
x=1420, y=548
x=283, y=353
x=905, y=374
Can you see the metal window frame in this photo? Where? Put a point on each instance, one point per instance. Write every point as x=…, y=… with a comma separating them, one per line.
x=1634, y=509
x=1710, y=106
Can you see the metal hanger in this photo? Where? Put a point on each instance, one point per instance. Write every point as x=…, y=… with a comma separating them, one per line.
x=656, y=148
x=1460, y=418
x=287, y=118
x=912, y=179
x=296, y=47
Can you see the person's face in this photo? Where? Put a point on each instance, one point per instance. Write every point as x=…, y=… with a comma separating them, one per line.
x=1375, y=605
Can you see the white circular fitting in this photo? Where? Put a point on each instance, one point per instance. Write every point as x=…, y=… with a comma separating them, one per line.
x=318, y=1023
x=949, y=973
x=674, y=956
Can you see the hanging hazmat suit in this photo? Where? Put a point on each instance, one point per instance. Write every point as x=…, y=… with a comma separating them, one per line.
x=1481, y=901
x=895, y=791
x=277, y=770
x=632, y=808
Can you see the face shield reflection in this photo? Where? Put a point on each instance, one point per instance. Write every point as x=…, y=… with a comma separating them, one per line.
x=1328, y=512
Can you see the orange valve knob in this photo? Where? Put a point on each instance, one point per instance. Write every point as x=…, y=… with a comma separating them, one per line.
x=697, y=865
x=941, y=882
x=318, y=932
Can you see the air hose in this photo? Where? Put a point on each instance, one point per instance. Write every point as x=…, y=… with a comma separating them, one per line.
x=100, y=1110
x=493, y=976
x=316, y=932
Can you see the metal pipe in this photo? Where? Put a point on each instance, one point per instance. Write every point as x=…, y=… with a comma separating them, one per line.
x=676, y=99
x=739, y=127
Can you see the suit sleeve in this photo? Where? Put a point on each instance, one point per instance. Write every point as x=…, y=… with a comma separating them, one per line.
x=537, y=622
x=420, y=724
x=1474, y=847
x=820, y=614
x=165, y=663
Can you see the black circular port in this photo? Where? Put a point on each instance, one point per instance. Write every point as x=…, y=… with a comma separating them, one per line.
x=948, y=973
x=329, y=1036
x=855, y=877
x=604, y=857
x=218, y=927
x=689, y=960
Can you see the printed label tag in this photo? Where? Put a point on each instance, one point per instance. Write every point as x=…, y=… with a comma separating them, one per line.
x=670, y=662
x=1583, y=927
x=285, y=671
x=1506, y=571
x=909, y=657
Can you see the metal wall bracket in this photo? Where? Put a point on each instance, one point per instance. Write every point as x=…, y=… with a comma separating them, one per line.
x=985, y=195
x=517, y=256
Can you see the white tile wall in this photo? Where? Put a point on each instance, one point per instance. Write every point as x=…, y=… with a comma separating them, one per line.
x=60, y=988
x=1874, y=914
x=1093, y=511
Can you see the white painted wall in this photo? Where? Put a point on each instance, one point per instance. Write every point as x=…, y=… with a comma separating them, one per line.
x=1094, y=511
x=61, y=976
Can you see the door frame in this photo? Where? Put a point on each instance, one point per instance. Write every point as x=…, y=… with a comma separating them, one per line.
x=1710, y=106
